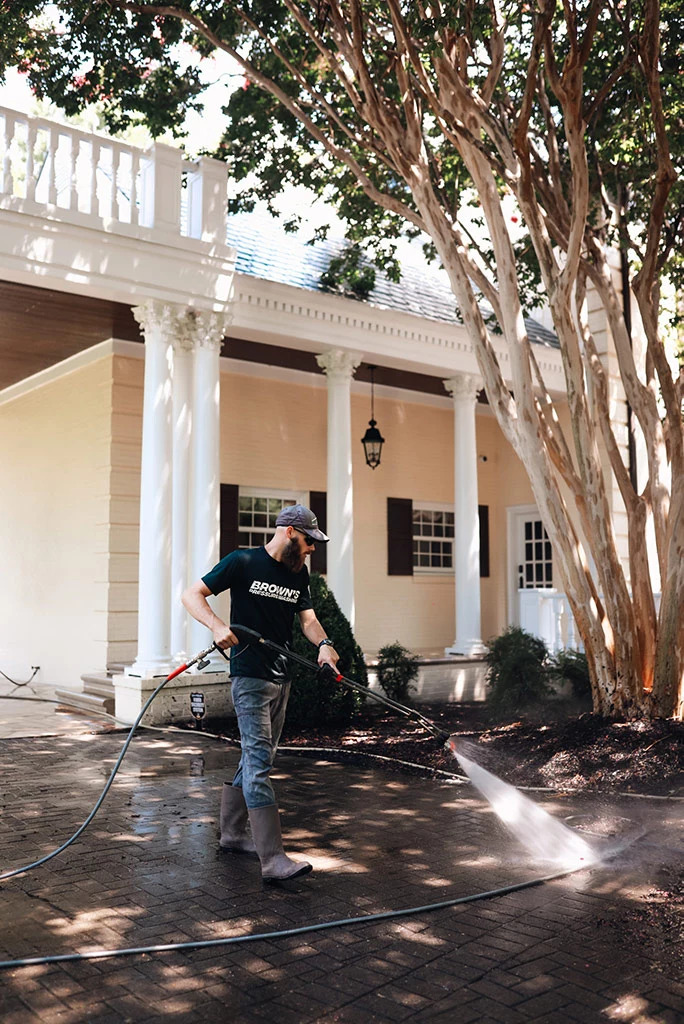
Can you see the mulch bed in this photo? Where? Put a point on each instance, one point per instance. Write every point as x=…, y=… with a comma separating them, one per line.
x=562, y=751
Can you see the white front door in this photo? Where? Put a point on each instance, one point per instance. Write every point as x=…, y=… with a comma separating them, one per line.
x=530, y=558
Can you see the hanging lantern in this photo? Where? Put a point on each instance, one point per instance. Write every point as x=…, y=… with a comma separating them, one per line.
x=372, y=440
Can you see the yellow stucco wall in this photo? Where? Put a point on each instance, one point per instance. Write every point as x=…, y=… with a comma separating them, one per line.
x=54, y=481
x=274, y=435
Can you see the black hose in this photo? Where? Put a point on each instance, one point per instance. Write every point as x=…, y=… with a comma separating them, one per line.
x=101, y=954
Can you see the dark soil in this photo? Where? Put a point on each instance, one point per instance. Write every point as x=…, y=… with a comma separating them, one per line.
x=566, y=752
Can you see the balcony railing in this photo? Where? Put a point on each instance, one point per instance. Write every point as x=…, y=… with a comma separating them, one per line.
x=116, y=186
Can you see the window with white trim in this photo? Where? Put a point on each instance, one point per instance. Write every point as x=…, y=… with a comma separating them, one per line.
x=433, y=538
x=258, y=510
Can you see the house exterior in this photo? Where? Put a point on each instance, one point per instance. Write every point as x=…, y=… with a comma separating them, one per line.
x=168, y=380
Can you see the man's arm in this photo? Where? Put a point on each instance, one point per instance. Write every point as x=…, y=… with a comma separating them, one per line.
x=195, y=601
x=313, y=631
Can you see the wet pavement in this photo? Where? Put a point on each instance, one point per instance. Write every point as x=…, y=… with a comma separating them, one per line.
x=147, y=872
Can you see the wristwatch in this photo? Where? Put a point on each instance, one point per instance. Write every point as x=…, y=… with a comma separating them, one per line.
x=325, y=643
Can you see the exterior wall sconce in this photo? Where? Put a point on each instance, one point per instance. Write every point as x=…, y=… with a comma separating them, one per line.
x=372, y=440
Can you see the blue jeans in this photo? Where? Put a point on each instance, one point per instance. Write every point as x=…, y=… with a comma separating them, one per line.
x=260, y=707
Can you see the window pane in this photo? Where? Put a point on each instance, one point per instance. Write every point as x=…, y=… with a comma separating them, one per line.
x=528, y=531
x=539, y=551
x=537, y=529
x=539, y=573
x=261, y=519
x=431, y=548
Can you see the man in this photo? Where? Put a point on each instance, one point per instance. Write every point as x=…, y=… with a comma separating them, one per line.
x=268, y=585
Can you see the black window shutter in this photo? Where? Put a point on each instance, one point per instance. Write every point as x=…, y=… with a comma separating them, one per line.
x=318, y=503
x=229, y=519
x=399, y=537
x=483, y=512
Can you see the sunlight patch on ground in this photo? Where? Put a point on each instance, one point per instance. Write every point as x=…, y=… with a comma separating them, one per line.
x=630, y=1008
x=328, y=863
x=424, y=938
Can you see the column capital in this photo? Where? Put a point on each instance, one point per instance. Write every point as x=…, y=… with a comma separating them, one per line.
x=209, y=328
x=463, y=385
x=185, y=327
x=338, y=364
x=153, y=314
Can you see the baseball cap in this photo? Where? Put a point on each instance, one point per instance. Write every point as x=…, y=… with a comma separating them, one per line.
x=302, y=518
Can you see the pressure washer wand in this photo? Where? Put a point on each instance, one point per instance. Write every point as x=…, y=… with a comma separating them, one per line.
x=251, y=635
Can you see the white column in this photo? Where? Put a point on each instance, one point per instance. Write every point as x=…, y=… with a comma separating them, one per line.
x=182, y=433
x=157, y=320
x=205, y=494
x=339, y=369
x=463, y=389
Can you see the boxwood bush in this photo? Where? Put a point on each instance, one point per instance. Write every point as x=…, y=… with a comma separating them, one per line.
x=517, y=671
x=315, y=702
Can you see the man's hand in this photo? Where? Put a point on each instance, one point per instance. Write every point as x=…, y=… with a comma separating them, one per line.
x=195, y=601
x=224, y=637
x=327, y=655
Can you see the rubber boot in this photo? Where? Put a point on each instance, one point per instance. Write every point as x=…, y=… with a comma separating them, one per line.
x=234, y=835
x=276, y=866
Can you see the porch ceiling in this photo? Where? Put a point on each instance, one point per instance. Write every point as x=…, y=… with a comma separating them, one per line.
x=40, y=327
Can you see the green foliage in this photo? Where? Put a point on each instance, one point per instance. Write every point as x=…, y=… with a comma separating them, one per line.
x=397, y=668
x=78, y=52
x=572, y=667
x=314, y=702
x=349, y=274
x=517, y=671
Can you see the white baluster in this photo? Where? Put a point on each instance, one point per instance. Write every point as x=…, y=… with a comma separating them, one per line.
x=558, y=625
x=94, y=164
x=8, y=135
x=135, y=170
x=53, y=143
x=73, y=180
x=114, y=197
x=30, y=162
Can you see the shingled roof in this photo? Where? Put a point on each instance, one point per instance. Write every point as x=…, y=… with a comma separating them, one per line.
x=265, y=250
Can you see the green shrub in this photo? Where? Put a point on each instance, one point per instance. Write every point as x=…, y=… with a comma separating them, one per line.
x=517, y=671
x=315, y=703
x=397, y=668
x=572, y=666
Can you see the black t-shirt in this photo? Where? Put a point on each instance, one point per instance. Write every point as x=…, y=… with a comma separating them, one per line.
x=264, y=595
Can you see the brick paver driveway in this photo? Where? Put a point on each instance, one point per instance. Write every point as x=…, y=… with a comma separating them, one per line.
x=147, y=872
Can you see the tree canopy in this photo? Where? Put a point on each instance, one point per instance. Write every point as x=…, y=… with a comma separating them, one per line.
x=529, y=142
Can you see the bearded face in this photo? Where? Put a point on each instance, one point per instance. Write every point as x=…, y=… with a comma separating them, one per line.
x=294, y=555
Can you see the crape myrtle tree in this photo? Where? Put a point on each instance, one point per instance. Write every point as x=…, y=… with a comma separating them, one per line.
x=406, y=115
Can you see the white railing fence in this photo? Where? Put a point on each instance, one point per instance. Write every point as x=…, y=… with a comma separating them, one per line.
x=546, y=614
x=58, y=166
